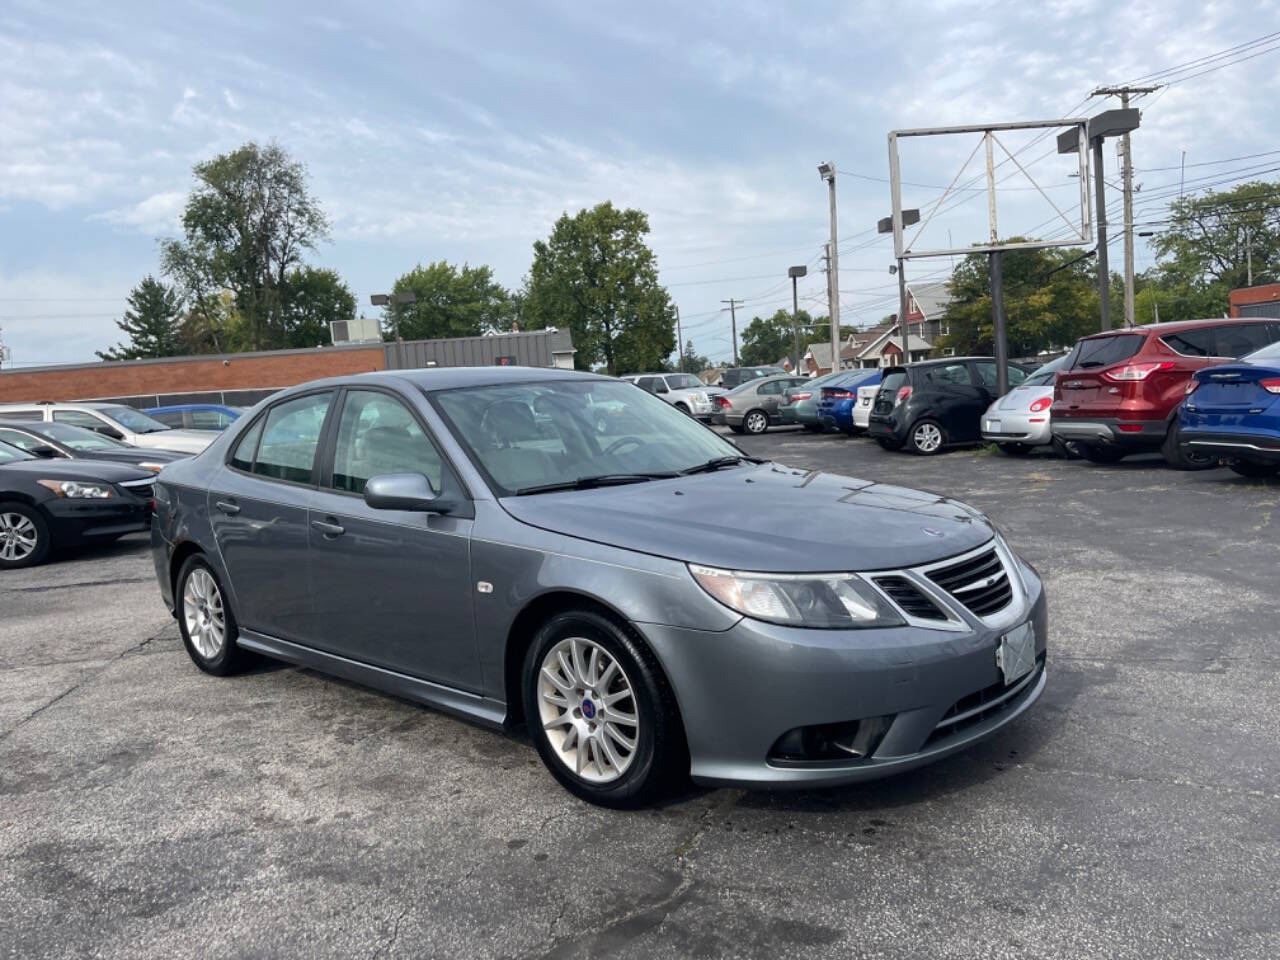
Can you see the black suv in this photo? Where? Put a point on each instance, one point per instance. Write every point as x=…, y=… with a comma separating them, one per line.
x=737, y=376
x=936, y=403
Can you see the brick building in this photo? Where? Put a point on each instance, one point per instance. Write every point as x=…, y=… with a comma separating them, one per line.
x=245, y=378
x=1259, y=301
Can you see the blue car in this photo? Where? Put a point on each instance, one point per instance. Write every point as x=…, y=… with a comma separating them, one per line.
x=1233, y=412
x=840, y=400
x=196, y=416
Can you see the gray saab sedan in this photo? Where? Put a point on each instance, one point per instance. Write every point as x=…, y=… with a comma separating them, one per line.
x=648, y=601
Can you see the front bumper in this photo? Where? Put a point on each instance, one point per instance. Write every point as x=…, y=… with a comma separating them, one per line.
x=1130, y=434
x=783, y=678
x=1250, y=447
x=75, y=521
x=1017, y=427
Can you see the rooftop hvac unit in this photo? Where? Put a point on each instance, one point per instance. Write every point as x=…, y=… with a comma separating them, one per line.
x=360, y=330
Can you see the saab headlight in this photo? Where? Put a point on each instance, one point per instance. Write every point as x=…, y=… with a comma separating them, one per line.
x=828, y=600
x=78, y=489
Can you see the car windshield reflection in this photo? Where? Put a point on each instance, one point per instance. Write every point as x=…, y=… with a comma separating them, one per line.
x=553, y=435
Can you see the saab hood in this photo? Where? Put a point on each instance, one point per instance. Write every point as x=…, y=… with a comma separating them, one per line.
x=765, y=518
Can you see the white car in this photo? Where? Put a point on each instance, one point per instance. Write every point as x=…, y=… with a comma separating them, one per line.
x=862, y=408
x=1019, y=420
x=683, y=391
x=113, y=420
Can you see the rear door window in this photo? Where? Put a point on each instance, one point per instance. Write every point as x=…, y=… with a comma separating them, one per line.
x=290, y=438
x=1191, y=343
x=80, y=419
x=1104, y=351
x=892, y=381
x=171, y=419
x=951, y=375
x=1237, y=339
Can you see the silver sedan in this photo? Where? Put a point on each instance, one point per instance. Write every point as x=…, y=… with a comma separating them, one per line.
x=1019, y=420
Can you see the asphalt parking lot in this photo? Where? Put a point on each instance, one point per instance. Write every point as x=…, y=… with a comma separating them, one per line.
x=147, y=810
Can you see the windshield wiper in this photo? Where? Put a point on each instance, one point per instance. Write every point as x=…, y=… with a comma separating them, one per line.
x=718, y=463
x=600, y=480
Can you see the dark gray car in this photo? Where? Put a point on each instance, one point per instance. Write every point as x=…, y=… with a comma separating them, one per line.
x=651, y=605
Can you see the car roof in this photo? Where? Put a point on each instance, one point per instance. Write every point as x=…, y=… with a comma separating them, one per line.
x=1174, y=326
x=433, y=379
x=26, y=424
x=188, y=406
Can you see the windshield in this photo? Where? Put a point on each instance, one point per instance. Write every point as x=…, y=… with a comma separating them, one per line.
x=527, y=435
x=10, y=454
x=1104, y=351
x=684, y=381
x=1268, y=354
x=78, y=438
x=134, y=420
x=1043, y=376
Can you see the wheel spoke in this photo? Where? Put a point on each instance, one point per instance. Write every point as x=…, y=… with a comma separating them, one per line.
x=609, y=671
x=555, y=681
x=564, y=720
x=579, y=668
x=593, y=665
x=581, y=757
x=609, y=752
x=618, y=735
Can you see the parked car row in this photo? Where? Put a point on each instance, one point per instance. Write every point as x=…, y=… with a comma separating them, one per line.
x=78, y=473
x=1170, y=388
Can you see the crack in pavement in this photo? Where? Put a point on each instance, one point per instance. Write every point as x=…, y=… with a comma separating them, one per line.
x=395, y=935
x=614, y=931
x=87, y=677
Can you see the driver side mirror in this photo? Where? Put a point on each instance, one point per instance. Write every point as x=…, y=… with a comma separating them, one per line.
x=405, y=491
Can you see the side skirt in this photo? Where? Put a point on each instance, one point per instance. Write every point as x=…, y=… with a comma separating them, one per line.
x=469, y=706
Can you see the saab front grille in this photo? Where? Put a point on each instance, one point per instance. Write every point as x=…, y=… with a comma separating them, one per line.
x=981, y=582
x=908, y=596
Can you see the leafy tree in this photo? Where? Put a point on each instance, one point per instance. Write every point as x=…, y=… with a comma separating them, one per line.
x=766, y=339
x=313, y=298
x=596, y=275
x=691, y=361
x=246, y=226
x=151, y=323
x=452, y=302
x=1050, y=299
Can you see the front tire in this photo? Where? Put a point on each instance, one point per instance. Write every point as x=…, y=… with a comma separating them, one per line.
x=926, y=438
x=206, y=621
x=814, y=428
x=684, y=409
x=1254, y=471
x=600, y=712
x=756, y=422
x=738, y=428
x=24, y=536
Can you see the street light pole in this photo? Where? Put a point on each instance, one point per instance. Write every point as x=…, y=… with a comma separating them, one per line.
x=679, y=340
x=388, y=300
x=795, y=273
x=827, y=170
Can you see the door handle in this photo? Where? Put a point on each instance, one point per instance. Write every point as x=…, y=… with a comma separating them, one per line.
x=328, y=528
x=229, y=507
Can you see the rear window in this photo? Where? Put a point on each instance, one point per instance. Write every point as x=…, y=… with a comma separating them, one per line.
x=1191, y=343
x=1104, y=351
x=892, y=381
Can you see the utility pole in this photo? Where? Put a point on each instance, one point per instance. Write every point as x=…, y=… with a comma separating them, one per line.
x=996, y=277
x=4, y=351
x=1248, y=257
x=1127, y=177
x=827, y=171
x=733, y=320
x=679, y=339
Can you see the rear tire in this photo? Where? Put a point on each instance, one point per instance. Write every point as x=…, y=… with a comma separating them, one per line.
x=558, y=720
x=1013, y=449
x=755, y=422
x=206, y=621
x=1095, y=454
x=24, y=536
x=814, y=428
x=887, y=443
x=1066, y=449
x=1180, y=458
x=926, y=438
x=737, y=429
x=1254, y=471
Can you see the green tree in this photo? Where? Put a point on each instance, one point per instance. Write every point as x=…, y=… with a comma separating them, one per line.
x=246, y=226
x=314, y=298
x=596, y=275
x=1050, y=298
x=691, y=361
x=766, y=339
x=451, y=302
x=151, y=323
x=1204, y=252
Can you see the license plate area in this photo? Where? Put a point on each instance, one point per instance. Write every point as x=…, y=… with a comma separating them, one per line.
x=993, y=426
x=1016, y=653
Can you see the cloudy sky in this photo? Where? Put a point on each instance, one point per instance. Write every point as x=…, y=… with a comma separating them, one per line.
x=460, y=131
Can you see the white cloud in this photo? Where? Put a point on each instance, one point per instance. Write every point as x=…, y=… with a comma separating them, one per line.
x=230, y=99
x=158, y=213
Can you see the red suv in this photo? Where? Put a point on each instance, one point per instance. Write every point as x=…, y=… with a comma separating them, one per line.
x=1118, y=392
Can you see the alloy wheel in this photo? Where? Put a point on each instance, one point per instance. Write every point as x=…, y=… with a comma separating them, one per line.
x=18, y=537
x=203, y=613
x=588, y=710
x=756, y=422
x=927, y=437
